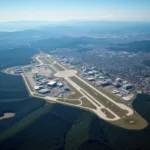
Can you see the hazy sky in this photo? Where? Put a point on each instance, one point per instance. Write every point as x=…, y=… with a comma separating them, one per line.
x=59, y=10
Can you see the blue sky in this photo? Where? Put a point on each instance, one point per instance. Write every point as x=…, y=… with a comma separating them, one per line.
x=60, y=10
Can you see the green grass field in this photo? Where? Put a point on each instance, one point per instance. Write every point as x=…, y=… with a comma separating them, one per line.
x=91, y=99
x=8, y=71
x=53, y=71
x=31, y=88
x=87, y=103
x=113, y=96
x=108, y=114
x=75, y=95
x=58, y=67
x=133, y=122
x=74, y=102
x=100, y=98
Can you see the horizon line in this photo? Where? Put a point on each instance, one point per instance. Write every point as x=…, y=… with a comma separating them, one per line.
x=73, y=20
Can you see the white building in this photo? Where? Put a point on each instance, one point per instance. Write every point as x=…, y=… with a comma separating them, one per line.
x=37, y=87
x=52, y=83
x=91, y=73
x=60, y=84
x=91, y=79
x=44, y=91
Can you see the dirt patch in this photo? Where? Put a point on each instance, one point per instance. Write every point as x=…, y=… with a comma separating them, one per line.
x=7, y=115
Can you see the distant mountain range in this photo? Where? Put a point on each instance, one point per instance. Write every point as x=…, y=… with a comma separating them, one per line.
x=71, y=34
x=91, y=26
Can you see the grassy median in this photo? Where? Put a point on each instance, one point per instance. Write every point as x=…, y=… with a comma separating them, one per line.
x=100, y=98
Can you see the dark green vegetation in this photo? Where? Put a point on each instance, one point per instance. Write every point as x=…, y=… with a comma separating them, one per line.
x=136, y=46
x=66, y=42
x=70, y=128
x=12, y=87
x=22, y=109
x=15, y=98
x=51, y=130
x=36, y=126
x=55, y=126
x=15, y=57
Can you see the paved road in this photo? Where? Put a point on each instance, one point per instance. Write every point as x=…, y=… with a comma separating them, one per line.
x=66, y=74
x=122, y=106
x=93, y=100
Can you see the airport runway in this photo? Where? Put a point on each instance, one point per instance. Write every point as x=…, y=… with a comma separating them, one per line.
x=66, y=74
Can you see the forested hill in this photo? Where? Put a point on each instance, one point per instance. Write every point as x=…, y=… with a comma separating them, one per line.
x=66, y=42
x=16, y=56
x=136, y=46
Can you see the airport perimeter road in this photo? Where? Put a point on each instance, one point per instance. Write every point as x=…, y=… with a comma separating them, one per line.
x=98, y=111
x=122, y=106
x=41, y=63
x=99, y=106
x=96, y=103
x=67, y=74
x=27, y=85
